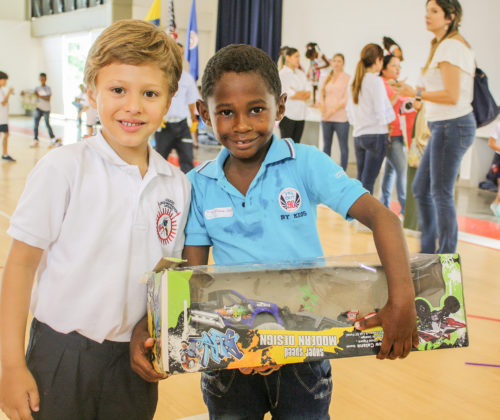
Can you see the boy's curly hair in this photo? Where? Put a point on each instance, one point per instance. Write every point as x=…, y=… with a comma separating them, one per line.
x=240, y=58
x=134, y=42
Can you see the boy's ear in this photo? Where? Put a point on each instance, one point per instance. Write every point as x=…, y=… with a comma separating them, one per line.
x=169, y=102
x=91, y=96
x=280, y=108
x=203, y=112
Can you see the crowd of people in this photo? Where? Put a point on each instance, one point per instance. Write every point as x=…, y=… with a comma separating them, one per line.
x=237, y=206
x=375, y=103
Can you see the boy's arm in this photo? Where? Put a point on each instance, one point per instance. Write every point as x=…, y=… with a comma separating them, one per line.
x=141, y=343
x=18, y=390
x=195, y=255
x=398, y=317
x=6, y=98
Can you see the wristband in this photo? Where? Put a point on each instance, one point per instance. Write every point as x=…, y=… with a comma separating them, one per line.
x=418, y=96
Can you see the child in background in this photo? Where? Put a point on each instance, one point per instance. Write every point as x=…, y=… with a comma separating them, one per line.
x=4, y=116
x=91, y=114
x=78, y=103
x=256, y=203
x=494, y=143
x=93, y=217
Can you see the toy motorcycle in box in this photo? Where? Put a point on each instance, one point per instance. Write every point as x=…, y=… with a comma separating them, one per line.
x=225, y=317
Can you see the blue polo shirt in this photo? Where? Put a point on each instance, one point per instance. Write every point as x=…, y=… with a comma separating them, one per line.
x=276, y=220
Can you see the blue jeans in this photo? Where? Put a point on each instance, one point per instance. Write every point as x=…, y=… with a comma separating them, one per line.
x=294, y=392
x=370, y=152
x=37, y=116
x=395, y=165
x=434, y=182
x=342, y=129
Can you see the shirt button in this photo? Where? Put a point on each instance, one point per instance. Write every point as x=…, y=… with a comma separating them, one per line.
x=243, y=204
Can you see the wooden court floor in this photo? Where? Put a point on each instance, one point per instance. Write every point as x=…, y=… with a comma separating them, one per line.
x=432, y=385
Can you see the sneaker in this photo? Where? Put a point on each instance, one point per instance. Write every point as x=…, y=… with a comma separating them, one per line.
x=55, y=142
x=8, y=158
x=35, y=143
x=495, y=209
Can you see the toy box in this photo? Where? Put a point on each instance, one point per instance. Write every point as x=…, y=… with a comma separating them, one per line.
x=225, y=317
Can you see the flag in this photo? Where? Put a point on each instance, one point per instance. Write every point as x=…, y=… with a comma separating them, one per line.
x=192, y=43
x=172, y=27
x=154, y=13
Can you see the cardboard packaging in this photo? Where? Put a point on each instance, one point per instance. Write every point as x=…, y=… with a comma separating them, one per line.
x=226, y=317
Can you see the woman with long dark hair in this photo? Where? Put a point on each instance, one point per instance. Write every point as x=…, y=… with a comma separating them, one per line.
x=396, y=162
x=448, y=90
x=369, y=112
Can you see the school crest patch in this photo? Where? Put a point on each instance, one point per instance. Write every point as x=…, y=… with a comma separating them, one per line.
x=166, y=221
x=290, y=200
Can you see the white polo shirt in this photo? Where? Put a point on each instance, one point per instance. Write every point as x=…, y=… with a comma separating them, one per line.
x=293, y=81
x=101, y=226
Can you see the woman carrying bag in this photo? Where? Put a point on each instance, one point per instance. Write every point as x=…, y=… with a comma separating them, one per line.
x=448, y=91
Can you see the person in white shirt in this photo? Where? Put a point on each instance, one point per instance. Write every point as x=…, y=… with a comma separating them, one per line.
x=4, y=116
x=369, y=111
x=90, y=113
x=43, y=94
x=176, y=133
x=93, y=218
x=448, y=80
x=494, y=143
x=298, y=89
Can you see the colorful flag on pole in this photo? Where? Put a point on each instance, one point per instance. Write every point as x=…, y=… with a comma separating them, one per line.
x=154, y=13
x=192, y=43
x=172, y=27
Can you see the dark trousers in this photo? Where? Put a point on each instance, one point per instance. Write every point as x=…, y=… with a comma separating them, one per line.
x=370, y=153
x=81, y=379
x=342, y=130
x=300, y=391
x=176, y=136
x=37, y=117
x=291, y=129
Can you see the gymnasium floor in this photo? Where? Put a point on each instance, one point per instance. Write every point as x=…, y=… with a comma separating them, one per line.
x=435, y=385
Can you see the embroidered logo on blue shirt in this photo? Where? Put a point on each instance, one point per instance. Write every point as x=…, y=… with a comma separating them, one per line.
x=290, y=200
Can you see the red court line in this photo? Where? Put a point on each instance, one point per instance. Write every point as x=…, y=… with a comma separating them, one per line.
x=174, y=160
x=486, y=318
x=479, y=227
x=24, y=130
x=470, y=225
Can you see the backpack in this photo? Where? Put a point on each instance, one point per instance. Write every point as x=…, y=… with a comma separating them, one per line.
x=483, y=105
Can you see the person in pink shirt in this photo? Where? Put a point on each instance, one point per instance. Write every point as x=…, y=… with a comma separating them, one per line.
x=332, y=102
x=395, y=163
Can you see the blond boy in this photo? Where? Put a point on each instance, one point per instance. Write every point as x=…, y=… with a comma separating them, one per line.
x=93, y=217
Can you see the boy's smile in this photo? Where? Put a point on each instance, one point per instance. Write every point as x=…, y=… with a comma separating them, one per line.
x=242, y=112
x=131, y=101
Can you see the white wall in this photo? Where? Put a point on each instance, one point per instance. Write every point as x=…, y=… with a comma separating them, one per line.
x=337, y=25
x=346, y=26
x=21, y=57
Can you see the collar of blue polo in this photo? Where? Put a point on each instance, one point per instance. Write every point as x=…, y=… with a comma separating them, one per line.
x=280, y=149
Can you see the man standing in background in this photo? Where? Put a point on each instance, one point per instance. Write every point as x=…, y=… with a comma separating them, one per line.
x=43, y=94
x=175, y=134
